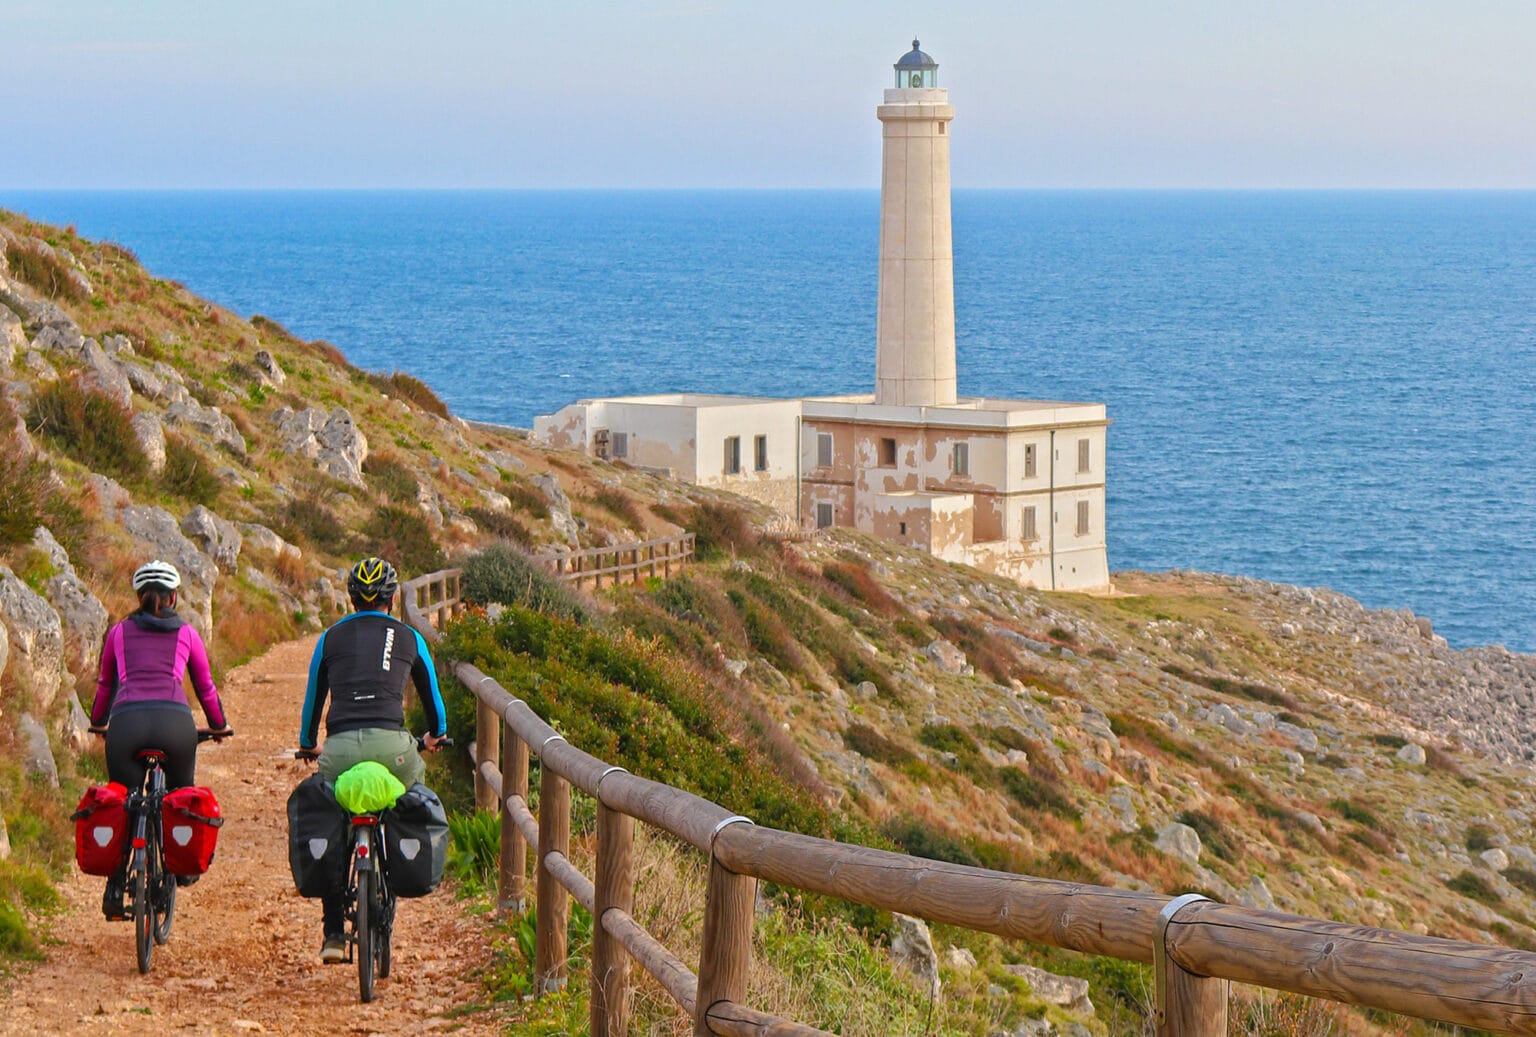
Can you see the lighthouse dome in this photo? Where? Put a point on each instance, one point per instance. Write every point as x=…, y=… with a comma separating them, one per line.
x=916, y=70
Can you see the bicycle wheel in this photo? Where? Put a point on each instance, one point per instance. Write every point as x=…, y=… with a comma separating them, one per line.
x=386, y=927
x=164, y=900
x=367, y=963
x=143, y=914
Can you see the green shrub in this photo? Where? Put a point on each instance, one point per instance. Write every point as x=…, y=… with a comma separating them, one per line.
x=474, y=853
x=919, y=840
x=720, y=531
x=1473, y=886
x=505, y=575
x=1479, y=837
x=189, y=474
x=44, y=271
x=391, y=479
x=1227, y=686
x=89, y=427
x=621, y=505
x=524, y=496
x=866, y=741
x=27, y=490
x=501, y=525
x=860, y=584
x=403, y=536
x=1212, y=836
x=408, y=387
x=1522, y=878
x=311, y=520
x=1352, y=811
x=1036, y=790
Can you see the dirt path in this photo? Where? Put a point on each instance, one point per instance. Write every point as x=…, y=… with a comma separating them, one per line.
x=244, y=954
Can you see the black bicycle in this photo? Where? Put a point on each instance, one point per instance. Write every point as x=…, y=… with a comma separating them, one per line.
x=370, y=902
x=148, y=884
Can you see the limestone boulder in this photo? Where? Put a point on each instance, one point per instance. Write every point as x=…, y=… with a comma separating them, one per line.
x=37, y=755
x=947, y=657
x=82, y=616
x=332, y=440
x=160, y=536
x=150, y=435
x=13, y=337
x=105, y=374
x=43, y=539
x=118, y=346
x=77, y=725
x=5, y=836
x=260, y=538
x=912, y=949
x=148, y=384
x=215, y=537
x=1067, y=992
x=36, y=639
x=559, y=506
x=1412, y=754
x=268, y=369
x=1180, y=841
x=209, y=421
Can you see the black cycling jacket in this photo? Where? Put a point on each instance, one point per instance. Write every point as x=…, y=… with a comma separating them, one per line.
x=363, y=662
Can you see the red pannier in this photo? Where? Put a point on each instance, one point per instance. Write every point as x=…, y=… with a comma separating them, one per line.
x=101, y=829
x=190, y=821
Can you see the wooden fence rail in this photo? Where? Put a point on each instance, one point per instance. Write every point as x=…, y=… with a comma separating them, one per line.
x=627, y=563
x=1195, y=945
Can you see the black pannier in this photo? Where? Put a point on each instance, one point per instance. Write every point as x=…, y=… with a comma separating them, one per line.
x=415, y=842
x=317, y=837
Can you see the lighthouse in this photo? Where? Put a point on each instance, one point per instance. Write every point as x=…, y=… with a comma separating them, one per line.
x=915, y=326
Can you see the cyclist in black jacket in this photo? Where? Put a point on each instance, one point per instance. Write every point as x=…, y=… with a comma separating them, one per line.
x=363, y=662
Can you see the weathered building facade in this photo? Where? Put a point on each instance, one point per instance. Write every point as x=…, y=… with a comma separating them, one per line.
x=1014, y=487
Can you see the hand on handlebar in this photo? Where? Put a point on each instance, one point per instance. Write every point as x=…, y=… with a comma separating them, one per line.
x=430, y=743
x=215, y=734
x=307, y=755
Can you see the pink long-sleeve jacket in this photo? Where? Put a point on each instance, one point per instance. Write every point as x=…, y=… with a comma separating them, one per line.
x=145, y=658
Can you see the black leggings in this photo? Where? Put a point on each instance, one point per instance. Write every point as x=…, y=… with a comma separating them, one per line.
x=168, y=728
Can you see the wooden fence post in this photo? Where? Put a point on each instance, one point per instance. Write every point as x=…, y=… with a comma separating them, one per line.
x=615, y=887
x=554, y=905
x=1186, y=1005
x=512, y=883
x=726, y=955
x=487, y=728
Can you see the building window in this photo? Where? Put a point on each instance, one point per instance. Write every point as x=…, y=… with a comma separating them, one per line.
x=1029, y=524
x=760, y=453
x=960, y=460
x=903, y=529
x=887, y=453
x=823, y=516
x=1082, y=518
x=621, y=444
x=1082, y=456
x=1029, y=460
x=732, y=455
x=824, y=449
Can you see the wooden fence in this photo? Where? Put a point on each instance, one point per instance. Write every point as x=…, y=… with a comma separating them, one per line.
x=627, y=563
x=1196, y=946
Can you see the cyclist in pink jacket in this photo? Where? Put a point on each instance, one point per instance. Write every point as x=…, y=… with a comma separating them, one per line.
x=140, y=699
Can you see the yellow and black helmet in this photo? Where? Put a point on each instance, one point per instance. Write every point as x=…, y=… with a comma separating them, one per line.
x=372, y=581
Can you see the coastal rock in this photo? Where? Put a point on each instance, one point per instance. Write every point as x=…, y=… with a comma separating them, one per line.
x=1180, y=841
x=151, y=438
x=210, y=421
x=333, y=441
x=13, y=337
x=77, y=725
x=150, y=385
x=260, y=538
x=947, y=657
x=214, y=536
x=559, y=506
x=82, y=617
x=118, y=346
x=38, y=756
x=1412, y=754
x=36, y=639
x=912, y=949
x=1494, y=859
x=104, y=374
x=161, y=537
x=1067, y=992
x=269, y=371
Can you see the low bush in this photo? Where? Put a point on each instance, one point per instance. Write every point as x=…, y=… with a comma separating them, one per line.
x=1212, y=835
x=403, y=536
x=474, y=851
x=1037, y=790
x=1479, y=837
x=1473, y=886
x=720, y=531
x=620, y=505
x=868, y=742
x=408, y=387
x=504, y=575
x=44, y=271
x=525, y=497
x=920, y=840
x=311, y=520
x=987, y=653
x=1352, y=811
x=391, y=479
x=26, y=494
x=188, y=473
x=1246, y=689
x=89, y=427
x=860, y=584
x=501, y=525
x=1522, y=878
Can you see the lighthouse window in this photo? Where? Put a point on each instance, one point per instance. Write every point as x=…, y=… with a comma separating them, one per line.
x=1082, y=456
x=942, y=126
x=961, y=464
x=1029, y=523
x=1082, y=518
x=823, y=516
x=1029, y=461
x=887, y=453
x=824, y=449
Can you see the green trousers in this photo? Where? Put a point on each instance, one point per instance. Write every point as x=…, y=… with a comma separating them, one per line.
x=393, y=748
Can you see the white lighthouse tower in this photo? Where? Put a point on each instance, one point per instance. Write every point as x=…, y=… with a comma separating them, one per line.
x=915, y=327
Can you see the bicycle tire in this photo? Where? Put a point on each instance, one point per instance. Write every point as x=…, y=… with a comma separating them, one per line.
x=165, y=907
x=143, y=916
x=386, y=930
x=367, y=962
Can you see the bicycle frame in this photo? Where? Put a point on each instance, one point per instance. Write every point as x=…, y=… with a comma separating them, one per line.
x=152, y=888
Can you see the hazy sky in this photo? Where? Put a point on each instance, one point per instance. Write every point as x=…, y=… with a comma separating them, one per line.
x=766, y=93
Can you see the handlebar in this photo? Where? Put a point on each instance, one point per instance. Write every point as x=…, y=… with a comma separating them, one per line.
x=214, y=734
x=311, y=755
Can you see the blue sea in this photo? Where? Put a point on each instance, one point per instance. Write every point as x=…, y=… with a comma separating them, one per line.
x=1313, y=387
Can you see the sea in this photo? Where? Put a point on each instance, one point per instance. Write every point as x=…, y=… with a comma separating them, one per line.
x=1320, y=388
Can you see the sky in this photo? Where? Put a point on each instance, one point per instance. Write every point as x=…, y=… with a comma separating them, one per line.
x=763, y=93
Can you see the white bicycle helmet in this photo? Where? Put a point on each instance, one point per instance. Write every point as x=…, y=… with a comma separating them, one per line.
x=156, y=573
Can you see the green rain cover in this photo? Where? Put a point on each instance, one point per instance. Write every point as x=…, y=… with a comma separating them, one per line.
x=367, y=788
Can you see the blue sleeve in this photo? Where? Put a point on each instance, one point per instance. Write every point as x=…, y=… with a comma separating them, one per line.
x=424, y=675
x=314, y=698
